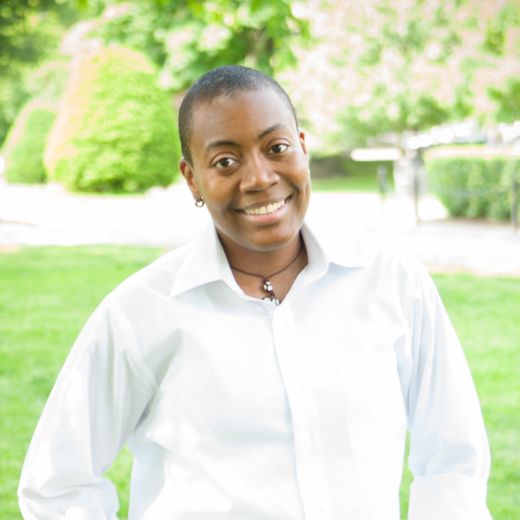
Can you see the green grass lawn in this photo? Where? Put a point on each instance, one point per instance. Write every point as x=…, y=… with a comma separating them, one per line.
x=47, y=293
x=354, y=182
x=352, y=176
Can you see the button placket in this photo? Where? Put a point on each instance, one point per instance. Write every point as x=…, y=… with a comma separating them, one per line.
x=297, y=374
x=307, y=441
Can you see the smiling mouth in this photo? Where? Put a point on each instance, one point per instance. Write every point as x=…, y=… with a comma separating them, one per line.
x=272, y=207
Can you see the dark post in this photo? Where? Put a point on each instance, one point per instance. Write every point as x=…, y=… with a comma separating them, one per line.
x=382, y=181
x=416, y=190
x=416, y=165
x=514, y=200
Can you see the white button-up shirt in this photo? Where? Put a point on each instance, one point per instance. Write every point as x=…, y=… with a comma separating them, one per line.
x=237, y=409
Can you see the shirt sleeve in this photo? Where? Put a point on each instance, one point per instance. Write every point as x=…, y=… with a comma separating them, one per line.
x=96, y=402
x=449, y=453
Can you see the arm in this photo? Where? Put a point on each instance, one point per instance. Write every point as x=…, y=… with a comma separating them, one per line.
x=449, y=454
x=95, y=404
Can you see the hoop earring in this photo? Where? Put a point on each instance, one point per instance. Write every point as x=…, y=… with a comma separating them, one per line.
x=199, y=202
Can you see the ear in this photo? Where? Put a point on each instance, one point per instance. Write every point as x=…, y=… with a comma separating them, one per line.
x=301, y=136
x=187, y=172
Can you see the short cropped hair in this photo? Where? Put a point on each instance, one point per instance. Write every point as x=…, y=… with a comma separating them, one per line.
x=223, y=81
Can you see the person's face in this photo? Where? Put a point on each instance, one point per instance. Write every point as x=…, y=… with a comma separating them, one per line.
x=250, y=165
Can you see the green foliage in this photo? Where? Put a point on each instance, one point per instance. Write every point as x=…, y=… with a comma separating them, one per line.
x=188, y=38
x=395, y=39
x=13, y=95
x=116, y=129
x=383, y=114
x=29, y=29
x=25, y=144
x=447, y=178
x=507, y=101
x=340, y=173
x=30, y=32
x=403, y=51
x=48, y=80
x=473, y=186
x=19, y=85
x=494, y=37
x=495, y=34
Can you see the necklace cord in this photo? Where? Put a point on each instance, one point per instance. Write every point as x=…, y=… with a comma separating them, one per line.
x=267, y=286
x=266, y=277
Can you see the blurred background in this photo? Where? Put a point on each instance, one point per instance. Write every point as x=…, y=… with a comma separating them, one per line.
x=412, y=115
x=89, y=90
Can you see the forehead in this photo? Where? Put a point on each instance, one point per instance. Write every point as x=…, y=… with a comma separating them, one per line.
x=240, y=113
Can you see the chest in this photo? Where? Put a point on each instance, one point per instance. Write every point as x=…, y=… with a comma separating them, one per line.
x=244, y=374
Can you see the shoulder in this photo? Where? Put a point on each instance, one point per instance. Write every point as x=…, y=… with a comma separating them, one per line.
x=377, y=254
x=152, y=281
x=396, y=264
x=390, y=265
x=393, y=254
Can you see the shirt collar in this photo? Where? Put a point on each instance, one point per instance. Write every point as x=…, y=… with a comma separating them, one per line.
x=349, y=250
x=205, y=260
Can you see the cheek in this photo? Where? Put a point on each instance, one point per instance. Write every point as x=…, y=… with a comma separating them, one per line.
x=218, y=194
x=301, y=176
x=300, y=165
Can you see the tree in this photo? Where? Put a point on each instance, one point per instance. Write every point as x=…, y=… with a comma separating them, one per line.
x=186, y=38
x=501, y=43
x=25, y=143
x=507, y=100
x=405, y=50
x=30, y=32
x=30, y=28
x=115, y=131
x=383, y=66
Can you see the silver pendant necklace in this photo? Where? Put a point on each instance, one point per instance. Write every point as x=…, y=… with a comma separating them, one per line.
x=267, y=285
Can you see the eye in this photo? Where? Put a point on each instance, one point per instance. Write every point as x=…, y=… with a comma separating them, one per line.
x=225, y=162
x=278, y=148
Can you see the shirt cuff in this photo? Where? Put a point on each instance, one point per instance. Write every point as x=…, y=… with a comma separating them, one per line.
x=450, y=497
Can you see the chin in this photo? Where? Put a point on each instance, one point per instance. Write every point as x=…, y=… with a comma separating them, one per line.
x=272, y=242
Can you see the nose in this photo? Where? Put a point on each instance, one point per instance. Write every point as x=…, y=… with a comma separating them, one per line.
x=258, y=174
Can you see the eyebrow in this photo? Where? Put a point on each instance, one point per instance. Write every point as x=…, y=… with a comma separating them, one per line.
x=228, y=142
x=278, y=126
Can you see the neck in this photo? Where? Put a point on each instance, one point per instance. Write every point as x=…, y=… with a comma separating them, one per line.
x=261, y=262
x=253, y=269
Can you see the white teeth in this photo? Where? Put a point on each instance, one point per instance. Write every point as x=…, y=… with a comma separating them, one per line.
x=265, y=210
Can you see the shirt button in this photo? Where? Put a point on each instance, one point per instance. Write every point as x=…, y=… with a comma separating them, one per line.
x=306, y=441
x=318, y=509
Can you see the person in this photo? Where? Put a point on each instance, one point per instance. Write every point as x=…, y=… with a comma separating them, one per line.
x=262, y=371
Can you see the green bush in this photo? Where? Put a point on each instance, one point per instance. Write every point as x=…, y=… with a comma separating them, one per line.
x=500, y=206
x=116, y=129
x=327, y=166
x=473, y=182
x=25, y=143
